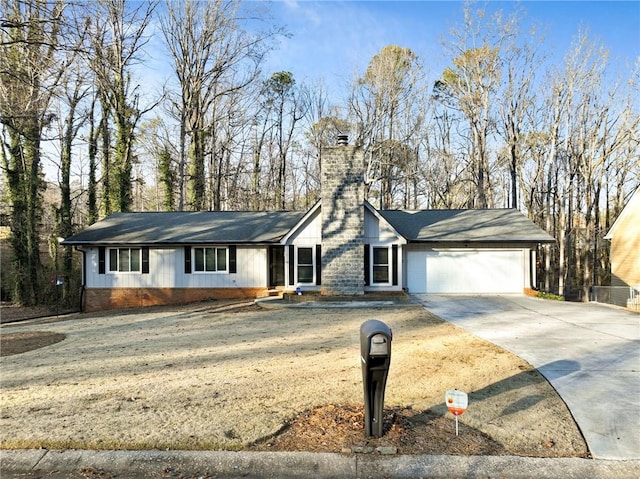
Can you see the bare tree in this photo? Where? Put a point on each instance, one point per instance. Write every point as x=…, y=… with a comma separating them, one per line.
x=229, y=133
x=260, y=129
x=32, y=33
x=382, y=105
x=93, y=136
x=445, y=171
x=212, y=57
x=74, y=89
x=117, y=39
x=286, y=106
x=322, y=132
x=323, y=124
x=584, y=145
x=473, y=81
x=155, y=138
x=521, y=60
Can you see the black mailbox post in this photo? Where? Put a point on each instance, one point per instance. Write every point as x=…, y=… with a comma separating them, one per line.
x=375, y=352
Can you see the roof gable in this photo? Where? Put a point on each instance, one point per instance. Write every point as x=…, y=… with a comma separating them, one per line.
x=383, y=222
x=302, y=221
x=630, y=214
x=488, y=225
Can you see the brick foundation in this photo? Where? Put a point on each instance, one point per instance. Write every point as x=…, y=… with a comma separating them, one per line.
x=99, y=299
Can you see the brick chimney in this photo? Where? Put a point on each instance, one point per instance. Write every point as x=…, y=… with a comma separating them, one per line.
x=343, y=219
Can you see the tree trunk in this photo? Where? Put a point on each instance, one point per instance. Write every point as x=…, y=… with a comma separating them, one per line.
x=92, y=201
x=197, y=184
x=108, y=205
x=65, y=226
x=25, y=185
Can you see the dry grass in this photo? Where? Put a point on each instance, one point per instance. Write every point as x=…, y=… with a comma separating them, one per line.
x=211, y=377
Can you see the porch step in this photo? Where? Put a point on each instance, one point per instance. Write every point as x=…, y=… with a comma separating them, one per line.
x=275, y=292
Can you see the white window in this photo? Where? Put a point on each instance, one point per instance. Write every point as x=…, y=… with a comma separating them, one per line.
x=305, y=265
x=381, y=265
x=210, y=259
x=124, y=260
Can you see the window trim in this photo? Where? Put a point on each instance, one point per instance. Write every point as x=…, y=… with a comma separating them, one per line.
x=388, y=264
x=194, y=264
x=312, y=265
x=108, y=256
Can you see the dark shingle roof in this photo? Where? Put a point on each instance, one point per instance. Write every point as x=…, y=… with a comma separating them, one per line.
x=242, y=227
x=189, y=228
x=491, y=225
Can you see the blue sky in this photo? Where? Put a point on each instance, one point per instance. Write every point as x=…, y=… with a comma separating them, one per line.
x=334, y=40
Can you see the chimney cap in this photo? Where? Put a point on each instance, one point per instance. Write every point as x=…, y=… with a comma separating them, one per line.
x=343, y=139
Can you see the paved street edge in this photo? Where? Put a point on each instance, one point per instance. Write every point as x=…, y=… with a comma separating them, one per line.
x=305, y=464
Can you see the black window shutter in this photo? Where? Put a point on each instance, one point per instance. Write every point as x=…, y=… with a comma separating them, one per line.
x=187, y=259
x=394, y=259
x=366, y=265
x=318, y=264
x=145, y=260
x=101, y=261
x=292, y=266
x=233, y=268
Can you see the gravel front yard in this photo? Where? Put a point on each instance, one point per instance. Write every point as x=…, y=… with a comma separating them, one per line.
x=222, y=375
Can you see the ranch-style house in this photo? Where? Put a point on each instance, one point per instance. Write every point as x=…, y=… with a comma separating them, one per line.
x=342, y=246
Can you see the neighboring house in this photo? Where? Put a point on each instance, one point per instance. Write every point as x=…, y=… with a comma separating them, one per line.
x=341, y=246
x=625, y=251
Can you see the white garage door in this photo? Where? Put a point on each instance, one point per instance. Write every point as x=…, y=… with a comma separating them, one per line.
x=477, y=271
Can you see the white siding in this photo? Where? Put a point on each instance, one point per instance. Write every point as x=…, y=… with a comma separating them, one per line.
x=166, y=270
x=251, y=266
x=310, y=233
x=376, y=231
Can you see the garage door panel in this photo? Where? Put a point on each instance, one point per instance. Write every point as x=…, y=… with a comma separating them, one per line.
x=486, y=271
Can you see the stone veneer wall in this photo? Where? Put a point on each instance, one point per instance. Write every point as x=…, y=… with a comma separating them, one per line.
x=342, y=221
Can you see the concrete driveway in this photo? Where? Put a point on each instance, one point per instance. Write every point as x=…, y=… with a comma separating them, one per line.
x=590, y=353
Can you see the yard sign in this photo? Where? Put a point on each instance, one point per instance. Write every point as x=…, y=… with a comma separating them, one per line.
x=456, y=402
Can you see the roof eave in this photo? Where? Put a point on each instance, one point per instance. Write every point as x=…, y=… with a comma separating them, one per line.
x=169, y=243
x=482, y=241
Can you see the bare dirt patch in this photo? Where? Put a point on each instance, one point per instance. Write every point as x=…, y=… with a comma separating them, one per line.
x=16, y=343
x=340, y=428
x=10, y=312
x=225, y=375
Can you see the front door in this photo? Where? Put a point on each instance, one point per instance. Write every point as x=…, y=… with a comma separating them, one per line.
x=276, y=266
